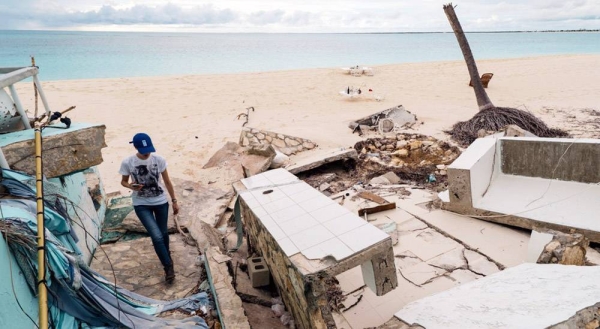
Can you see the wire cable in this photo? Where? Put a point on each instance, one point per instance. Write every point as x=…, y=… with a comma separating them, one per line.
x=12, y=284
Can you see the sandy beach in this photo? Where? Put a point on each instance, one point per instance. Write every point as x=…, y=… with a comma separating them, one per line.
x=190, y=117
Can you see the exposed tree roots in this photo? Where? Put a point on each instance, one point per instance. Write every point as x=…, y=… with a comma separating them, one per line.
x=495, y=119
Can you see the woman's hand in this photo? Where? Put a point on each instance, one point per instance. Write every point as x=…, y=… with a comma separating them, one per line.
x=136, y=187
x=175, y=208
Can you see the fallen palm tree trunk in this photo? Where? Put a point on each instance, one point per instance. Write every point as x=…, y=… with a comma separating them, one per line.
x=489, y=117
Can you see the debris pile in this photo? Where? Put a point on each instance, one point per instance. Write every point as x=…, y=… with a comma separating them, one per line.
x=410, y=156
x=386, y=121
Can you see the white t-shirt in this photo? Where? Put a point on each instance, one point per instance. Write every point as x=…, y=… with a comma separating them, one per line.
x=146, y=172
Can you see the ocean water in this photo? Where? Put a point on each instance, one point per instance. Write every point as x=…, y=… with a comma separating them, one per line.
x=91, y=55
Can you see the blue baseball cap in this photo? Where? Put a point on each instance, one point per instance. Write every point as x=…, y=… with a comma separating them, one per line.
x=142, y=143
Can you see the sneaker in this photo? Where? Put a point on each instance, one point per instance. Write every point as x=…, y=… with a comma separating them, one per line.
x=169, y=274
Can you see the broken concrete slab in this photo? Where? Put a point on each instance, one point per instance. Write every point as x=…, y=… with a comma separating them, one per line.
x=234, y=158
x=421, y=273
x=207, y=236
x=406, y=259
x=451, y=260
x=314, y=160
x=505, y=245
x=479, y=263
x=396, y=116
x=549, y=293
x=411, y=225
x=285, y=143
x=73, y=149
x=230, y=151
x=230, y=304
x=198, y=203
x=427, y=243
x=463, y=276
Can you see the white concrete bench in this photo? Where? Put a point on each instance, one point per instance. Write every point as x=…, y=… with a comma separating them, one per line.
x=530, y=182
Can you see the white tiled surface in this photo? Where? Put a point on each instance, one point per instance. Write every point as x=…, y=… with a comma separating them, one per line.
x=288, y=246
x=301, y=219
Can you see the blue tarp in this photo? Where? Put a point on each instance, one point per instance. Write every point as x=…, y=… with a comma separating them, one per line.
x=78, y=296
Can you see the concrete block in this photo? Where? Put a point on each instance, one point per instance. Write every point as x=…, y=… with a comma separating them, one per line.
x=65, y=150
x=259, y=272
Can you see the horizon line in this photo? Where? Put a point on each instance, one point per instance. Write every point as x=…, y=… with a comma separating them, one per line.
x=383, y=32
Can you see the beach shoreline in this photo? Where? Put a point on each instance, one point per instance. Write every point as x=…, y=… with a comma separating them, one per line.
x=190, y=117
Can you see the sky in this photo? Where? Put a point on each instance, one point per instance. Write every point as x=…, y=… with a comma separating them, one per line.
x=295, y=15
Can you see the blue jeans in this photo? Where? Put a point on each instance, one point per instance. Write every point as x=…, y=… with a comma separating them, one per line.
x=154, y=219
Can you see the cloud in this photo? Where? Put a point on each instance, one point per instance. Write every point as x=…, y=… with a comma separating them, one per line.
x=292, y=15
x=266, y=17
x=142, y=14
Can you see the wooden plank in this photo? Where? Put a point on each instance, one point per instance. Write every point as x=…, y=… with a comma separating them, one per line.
x=372, y=197
x=376, y=209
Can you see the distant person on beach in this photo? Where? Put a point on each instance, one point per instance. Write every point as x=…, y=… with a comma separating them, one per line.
x=348, y=91
x=149, y=199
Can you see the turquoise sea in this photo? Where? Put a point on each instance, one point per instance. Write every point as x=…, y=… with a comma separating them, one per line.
x=92, y=55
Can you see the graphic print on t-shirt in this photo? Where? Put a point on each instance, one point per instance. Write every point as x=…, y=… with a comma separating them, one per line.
x=149, y=178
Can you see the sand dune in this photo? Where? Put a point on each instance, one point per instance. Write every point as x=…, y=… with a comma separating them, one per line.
x=190, y=117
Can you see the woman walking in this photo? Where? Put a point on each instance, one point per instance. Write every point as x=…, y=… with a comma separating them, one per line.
x=149, y=199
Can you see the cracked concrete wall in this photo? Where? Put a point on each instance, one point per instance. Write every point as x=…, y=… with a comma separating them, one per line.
x=552, y=158
x=286, y=144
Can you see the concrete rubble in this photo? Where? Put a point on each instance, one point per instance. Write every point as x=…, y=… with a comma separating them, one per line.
x=386, y=121
x=434, y=252
x=560, y=248
x=411, y=155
